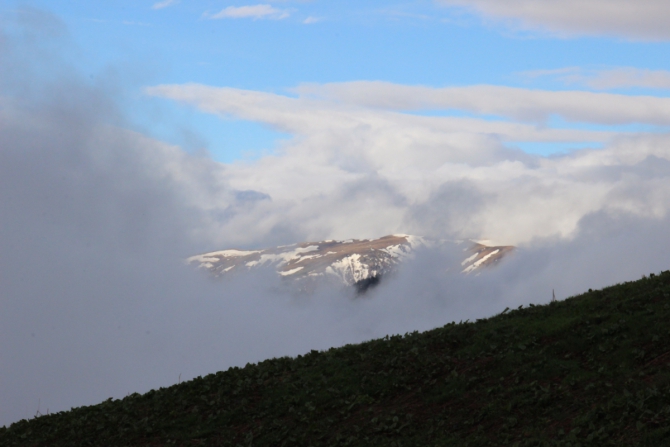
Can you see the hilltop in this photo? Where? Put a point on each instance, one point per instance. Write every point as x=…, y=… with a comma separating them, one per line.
x=592, y=370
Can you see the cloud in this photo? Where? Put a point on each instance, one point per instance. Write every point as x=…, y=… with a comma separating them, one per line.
x=607, y=79
x=164, y=4
x=96, y=219
x=310, y=20
x=251, y=11
x=346, y=133
x=340, y=101
x=619, y=18
x=516, y=103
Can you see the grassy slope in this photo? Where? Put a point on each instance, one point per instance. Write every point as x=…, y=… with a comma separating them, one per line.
x=590, y=370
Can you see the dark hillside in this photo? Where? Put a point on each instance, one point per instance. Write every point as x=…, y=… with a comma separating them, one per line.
x=593, y=370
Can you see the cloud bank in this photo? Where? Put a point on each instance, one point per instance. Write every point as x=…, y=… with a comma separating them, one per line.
x=357, y=149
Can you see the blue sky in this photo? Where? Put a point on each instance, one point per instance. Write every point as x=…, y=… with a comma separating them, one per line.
x=410, y=43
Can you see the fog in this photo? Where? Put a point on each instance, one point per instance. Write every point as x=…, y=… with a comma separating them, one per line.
x=96, y=220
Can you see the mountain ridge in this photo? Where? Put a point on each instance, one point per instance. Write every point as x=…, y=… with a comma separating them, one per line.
x=352, y=262
x=591, y=370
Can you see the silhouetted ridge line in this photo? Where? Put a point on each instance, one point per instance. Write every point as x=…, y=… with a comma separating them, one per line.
x=592, y=370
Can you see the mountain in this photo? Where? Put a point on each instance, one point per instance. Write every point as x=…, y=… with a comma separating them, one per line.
x=592, y=370
x=360, y=263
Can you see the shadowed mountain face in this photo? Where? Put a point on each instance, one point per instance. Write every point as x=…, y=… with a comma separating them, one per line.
x=359, y=263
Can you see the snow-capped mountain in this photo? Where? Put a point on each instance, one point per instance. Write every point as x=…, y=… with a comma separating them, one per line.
x=360, y=263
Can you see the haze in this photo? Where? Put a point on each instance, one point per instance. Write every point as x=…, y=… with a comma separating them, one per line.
x=136, y=134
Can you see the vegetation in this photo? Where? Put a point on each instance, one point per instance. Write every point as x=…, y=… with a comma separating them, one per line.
x=593, y=370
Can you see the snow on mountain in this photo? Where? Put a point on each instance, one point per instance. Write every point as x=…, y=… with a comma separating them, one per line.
x=353, y=262
x=484, y=256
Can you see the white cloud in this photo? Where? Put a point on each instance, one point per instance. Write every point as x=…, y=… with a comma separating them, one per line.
x=357, y=166
x=517, y=103
x=309, y=20
x=251, y=11
x=164, y=4
x=336, y=109
x=646, y=20
x=607, y=79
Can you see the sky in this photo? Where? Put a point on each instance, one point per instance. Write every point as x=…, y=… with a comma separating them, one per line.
x=136, y=134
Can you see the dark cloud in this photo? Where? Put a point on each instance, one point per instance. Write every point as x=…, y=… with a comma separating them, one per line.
x=94, y=222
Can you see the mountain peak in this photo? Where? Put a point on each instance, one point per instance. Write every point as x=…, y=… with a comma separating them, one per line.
x=353, y=262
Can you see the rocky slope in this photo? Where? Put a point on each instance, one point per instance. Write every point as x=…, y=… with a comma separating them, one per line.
x=360, y=263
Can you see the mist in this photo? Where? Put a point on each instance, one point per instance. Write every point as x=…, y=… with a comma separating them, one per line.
x=96, y=220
